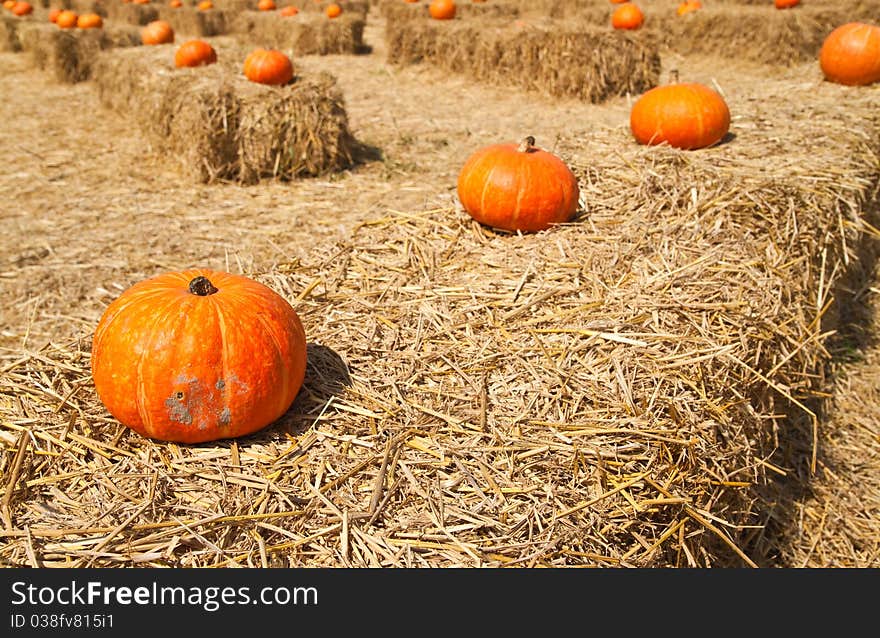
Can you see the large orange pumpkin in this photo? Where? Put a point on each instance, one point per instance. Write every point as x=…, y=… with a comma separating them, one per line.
x=157, y=32
x=442, y=9
x=22, y=8
x=786, y=4
x=289, y=11
x=66, y=19
x=517, y=187
x=627, y=16
x=685, y=115
x=89, y=21
x=850, y=54
x=198, y=355
x=194, y=53
x=268, y=66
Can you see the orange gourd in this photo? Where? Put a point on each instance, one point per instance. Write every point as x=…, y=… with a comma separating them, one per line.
x=517, y=187
x=53, y=15
x=289, y=11
x=786, y=4
x=442, y=9
x=66, y=19
x=22, y=8
x=685, y=115
x=198, y=355
x=850, y=54
x=266, y=5
x=89, y=21
x=627, y=16
x=194, y=53
x=268, y=66
x=333, y=10
x=157, y=32
x=688, y=6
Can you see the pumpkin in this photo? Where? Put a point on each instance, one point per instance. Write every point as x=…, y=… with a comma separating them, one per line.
x=268, y=66
x=627, y=16
x=619, y=1
x=198, y=355
x=442, y=9
x=266, y=5
x=22, y=8
x=140, y=1
x=89, y=21
x=194, y=53
x=157, y=32
x=688, y=6
x=786, y=4
x=205, y=5
x=333, y=10
x=66, y=19
x=53, y=14
x=8, y=4
x=175, y=4
x=850, y=54
x=517, y=187
x=289, y=11
x=685, y=115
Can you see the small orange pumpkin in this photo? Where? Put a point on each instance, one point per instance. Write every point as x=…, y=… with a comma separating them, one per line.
x=194, y=53
x=198, y=355
x=157, y=32
x=140, y=1
x=289, y=11
x=266, y=5
x=53, y=15
x=205, y=5
x=688, y=6
x=8, y=4
x=66, y=19
x=442, y=9
x=786, y=4
x=175, y=4
x=685, y=115
x=333, y=10
x=22, y=8
x=268, y=66
x=89, y=21
x=850, y=54
x=627, y=16
x=517, y=187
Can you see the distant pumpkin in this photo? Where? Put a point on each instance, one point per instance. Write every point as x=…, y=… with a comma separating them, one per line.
x=268, y=66
x=266, y=5
x=627, y=16
x=175, y=4
x=205, y=5
x=66, y=19
x=517, y=187
x=53, y=15
x=89, y=21
x=688, y=6
x=194, y=53
x=333, y=10
x=786, y=4
x=850, y=54
x=8, y=4
x=198, y=355
x=686, y=115
x=289, y=11
x=22, y=8
x=157, y=32
x=442, y=9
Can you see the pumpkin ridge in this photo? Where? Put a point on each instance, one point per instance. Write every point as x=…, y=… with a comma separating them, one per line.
x=224, y=360
x=524, y=176
x=279, y=349
x=487, y=185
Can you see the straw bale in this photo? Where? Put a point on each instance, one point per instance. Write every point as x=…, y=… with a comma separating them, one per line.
x=359, y=7
x=302, y=35
x=398, y=10
x=136, y=14
x=218, y=126
x=10, y=26
x=554, y=58
x=70, y=53
x=88, y=6
x=191, y=22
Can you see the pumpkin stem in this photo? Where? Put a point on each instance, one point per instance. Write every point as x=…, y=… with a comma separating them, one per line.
x=527, y=145
x=674, y=74
x=202, y=287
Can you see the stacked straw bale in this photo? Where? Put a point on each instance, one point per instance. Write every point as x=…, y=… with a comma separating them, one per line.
x=136, y=14
x=303, y=34
x=70, y=54
x=359, y=7
x=219, y=126
x=191, y=22
x=10, y=30
x=399, y=11
x=560, y=59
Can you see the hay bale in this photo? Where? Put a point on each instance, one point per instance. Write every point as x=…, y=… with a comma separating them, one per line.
x=759, y=34
x=398, y=10
x=88, y=6
x=219, y=126
x=10, y=27
x=557, y=59
x=69, y=54
x=136, y=14
x=359, y=7
x=191, y=22
x=302, y=35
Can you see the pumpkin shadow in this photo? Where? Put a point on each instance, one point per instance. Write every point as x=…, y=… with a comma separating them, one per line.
x=326, y=377
x=729, y=137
